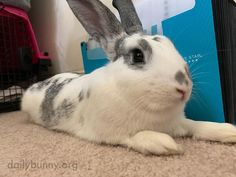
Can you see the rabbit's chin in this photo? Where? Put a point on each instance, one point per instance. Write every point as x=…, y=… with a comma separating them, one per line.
x=174, y=103
x=168, y=100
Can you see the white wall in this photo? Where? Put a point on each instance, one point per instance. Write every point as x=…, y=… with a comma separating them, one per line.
x=59, y=33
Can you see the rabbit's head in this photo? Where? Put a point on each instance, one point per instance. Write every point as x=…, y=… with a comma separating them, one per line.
x=148, y=70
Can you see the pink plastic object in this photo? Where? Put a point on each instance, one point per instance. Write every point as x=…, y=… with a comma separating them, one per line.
x=16, y=32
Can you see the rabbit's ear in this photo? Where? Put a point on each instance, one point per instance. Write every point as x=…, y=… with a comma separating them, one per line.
x=99, y=22
x=129, y=16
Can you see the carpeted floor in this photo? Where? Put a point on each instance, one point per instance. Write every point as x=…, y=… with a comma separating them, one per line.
x=28, y=150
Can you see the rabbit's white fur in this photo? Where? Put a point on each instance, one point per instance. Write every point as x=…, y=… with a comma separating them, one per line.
x=121, y=103
x=138, y=109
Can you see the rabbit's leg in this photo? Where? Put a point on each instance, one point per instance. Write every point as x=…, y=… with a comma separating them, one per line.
x=150, y=142
x=222, y=132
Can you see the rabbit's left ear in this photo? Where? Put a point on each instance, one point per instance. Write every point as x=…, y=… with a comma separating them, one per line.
x=99, y=22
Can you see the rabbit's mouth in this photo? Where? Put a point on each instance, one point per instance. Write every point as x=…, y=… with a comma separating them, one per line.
x=183, y=94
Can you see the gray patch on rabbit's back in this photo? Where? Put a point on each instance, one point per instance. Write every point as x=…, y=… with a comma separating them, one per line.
x=84, y=94
x=44, y=84
x=49, y=115
x=65, y=109
x=81, y=96
x=41, y=85
x=88, y=93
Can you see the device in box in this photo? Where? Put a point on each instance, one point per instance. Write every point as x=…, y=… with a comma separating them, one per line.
x=194, y=36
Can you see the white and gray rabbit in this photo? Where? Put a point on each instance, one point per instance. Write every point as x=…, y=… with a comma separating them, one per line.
x=137, y=100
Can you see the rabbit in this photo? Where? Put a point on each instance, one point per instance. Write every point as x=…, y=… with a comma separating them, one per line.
x=137, y=100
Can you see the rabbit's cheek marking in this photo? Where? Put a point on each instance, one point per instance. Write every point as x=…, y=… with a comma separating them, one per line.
x=48, y=114
x=180, y=78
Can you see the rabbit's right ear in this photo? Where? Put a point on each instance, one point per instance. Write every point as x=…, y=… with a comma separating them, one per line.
x=129, y=16
x=99, y=22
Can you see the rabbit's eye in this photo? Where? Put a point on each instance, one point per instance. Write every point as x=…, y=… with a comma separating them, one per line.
x=138, y=56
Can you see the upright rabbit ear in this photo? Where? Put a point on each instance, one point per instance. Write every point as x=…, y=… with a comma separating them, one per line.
x=129, y=16
x=99, y=22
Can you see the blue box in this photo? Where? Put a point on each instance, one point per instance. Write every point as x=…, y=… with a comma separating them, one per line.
x=93, y=59
x=193, y=34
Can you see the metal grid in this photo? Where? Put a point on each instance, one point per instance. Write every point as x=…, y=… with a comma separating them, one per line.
x=16, y=71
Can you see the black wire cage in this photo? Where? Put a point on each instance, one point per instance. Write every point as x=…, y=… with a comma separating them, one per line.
x=21, y=62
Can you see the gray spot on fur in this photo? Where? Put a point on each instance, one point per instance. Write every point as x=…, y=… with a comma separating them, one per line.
x=81, y=96
x=88, y=93
x=158, y=39
x=65, y=109
x=41, y=85
x=180, y=77
x=145, y=46
x=49, y=115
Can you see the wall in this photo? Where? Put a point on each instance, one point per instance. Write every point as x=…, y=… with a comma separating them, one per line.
x=59, y=33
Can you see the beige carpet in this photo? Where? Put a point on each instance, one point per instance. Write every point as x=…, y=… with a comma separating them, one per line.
x=28, y=150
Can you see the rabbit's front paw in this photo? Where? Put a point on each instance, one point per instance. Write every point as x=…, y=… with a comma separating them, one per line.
x=222, y=132
x=149, y=142
x=227, y=134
